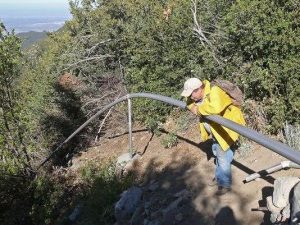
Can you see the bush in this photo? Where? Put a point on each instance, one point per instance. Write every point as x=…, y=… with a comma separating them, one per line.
x=48, y=200
x=292, y=135
x=170, y=140
x=103, y=190
x=262, y=51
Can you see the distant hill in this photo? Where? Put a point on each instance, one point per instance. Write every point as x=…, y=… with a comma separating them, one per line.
x=31, y=37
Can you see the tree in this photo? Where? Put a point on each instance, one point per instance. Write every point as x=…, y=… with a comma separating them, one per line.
x=14, y=154
x=262, y=53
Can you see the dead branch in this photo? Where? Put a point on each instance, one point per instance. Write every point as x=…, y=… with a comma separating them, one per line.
x=200, y=33
x=197, y=28
x=98, y=99
x=122, y=74
x=92, y=49
x=101, y=57
x=103, y=122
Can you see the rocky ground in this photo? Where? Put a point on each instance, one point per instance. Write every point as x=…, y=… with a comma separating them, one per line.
x=173, y=182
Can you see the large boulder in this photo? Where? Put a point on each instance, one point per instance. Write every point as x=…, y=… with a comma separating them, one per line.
x=128, y=204
x=279, y=203
x=282, y=189
x=125, y=164
x=295, y=214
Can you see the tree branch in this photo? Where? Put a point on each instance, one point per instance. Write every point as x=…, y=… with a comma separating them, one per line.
x=101, y=57
x=200, y=33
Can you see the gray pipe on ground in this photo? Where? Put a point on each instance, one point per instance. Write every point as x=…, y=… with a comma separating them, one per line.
x=282, y=165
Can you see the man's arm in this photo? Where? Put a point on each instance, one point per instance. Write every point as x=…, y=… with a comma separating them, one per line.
x=194, y=109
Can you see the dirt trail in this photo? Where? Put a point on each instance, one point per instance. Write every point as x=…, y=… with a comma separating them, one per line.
x=190, y=166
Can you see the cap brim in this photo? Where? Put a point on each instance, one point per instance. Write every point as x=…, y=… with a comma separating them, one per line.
x=186, y=93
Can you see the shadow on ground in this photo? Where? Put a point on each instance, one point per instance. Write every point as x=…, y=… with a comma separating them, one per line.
x=199, y=208
x=206, y=148
x=162, y=206
x=266, y=191
x=172, y=194
x=65, y=120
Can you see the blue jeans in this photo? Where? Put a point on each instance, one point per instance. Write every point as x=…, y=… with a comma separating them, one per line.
x=223, y=165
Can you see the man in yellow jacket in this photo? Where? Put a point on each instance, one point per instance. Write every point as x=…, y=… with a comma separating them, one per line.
x=202, y=100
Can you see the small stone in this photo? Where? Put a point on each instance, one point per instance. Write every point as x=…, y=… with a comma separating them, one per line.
x=128, y=203
x=153, y=186
x=137, y=217
x=172, y=206
x=123, y=159
x=166, y=185
x=183, y=193
x=147, y=205
x=136, y=157
x=75, y=213
x=155, y=222
x=152, y=181
x=179, y=217
x=155, y=215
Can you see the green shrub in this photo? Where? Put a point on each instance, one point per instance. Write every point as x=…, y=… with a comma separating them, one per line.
x=262, y=53
x=184, y=120
x=51, y=198
x=103, y=190
x=170, y=140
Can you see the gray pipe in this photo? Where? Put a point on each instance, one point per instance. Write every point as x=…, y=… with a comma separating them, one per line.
x=130, y=128
x=265, y=141
x=282, y=165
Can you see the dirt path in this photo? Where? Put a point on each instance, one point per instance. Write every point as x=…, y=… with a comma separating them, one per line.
x=189, y=166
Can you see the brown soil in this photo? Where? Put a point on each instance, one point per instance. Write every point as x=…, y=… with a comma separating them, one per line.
x=190, y=165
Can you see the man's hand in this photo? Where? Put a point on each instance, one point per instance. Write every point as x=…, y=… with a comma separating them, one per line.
x=194, y=109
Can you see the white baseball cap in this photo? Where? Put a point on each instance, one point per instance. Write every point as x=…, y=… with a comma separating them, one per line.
x=190, y=85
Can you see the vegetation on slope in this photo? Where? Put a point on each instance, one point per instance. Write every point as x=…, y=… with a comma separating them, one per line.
x=113, y=47
x=31, y=37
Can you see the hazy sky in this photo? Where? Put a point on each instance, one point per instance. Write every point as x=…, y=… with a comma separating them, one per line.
x=19, y=8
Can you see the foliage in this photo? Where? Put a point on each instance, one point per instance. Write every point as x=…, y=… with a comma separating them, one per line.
x=156, y=62
x=44, y=200
x=292, y=134
x=262, y=51
x=137, y=43
x=50, y=111
x=31, y=37
x=114, y=47
x=50, y=197
x=14, y=154
x=105, y=189
x=140, y=42
x=31, y=108
x=170, y=140
x=183, y=120
x=243, y=148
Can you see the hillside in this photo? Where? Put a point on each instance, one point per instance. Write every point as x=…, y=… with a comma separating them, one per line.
x=110, y=49
x=31, y=37
x=165, y=174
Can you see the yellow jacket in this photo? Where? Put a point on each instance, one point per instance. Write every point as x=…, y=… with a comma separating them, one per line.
x=217, y=102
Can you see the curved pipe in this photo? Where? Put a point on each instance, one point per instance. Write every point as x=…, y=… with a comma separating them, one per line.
x=265, y=141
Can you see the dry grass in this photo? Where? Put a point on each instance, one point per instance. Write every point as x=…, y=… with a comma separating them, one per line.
x=255, y=116
x=292, y=135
